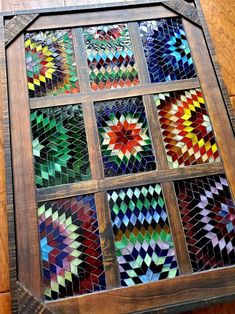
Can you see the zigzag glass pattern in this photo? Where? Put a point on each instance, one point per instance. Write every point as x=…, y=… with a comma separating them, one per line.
x=186, y=129
x=143, y=241
x=124, y=137
x=208, y=215
x=110, y=56
x=70, y=247
x=50, y=63
x=59, y=146
x=166, y=50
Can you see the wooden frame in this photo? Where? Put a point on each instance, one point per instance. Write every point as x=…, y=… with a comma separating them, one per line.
x=175, y=295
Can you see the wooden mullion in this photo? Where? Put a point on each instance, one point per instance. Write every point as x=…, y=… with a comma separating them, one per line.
x=150, y=177
x=81, y=58
x=143, y=89
x=29, y=268
x=214, y=100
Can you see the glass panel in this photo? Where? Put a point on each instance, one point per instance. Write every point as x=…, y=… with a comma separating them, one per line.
x=50, y=63
x=59, y=146
x=124, y=137
x=186, y=129
x=110, y=56
x=208, y=215
x=166, y=50
x=143, y=241
x=70, y=247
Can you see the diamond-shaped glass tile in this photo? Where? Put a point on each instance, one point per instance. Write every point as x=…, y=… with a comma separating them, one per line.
x=166, y=50
x=124, y=137
x=186, y=129
x=144, y=246
x=110, y=56
x=50, y=63
x=71, y=255
x=59, y=146
x=208, y=215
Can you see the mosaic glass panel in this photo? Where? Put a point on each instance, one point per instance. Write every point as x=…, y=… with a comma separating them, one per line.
x=166, y=50
x=143, y=241
x=110, y=56
x=124, y=137
x=208, y=215
x=50, y=63
x=186, y=129
x=70, y=247
x=59, y=146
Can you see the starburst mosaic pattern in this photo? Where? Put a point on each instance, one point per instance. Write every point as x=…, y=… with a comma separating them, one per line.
x=59, y=146
x=186, y=128
x=143, y=241
x=70, y=247
x=110, y=56
x=166, y=50
x=50, y=63
x=124, y=138
x=208, y=215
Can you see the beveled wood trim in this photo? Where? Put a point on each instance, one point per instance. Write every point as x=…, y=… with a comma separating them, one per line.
x=28, y=304
x=183, y=8
x=150, y=177
x=177, y=230
x=105, y=17
x=107, y=241
x=23, y=171
x=164, y=293
x=214, y=101
x=17, y=25
x=108, y=94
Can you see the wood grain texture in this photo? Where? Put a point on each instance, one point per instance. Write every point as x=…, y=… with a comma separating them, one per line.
x=23, y=171
x=217, y=309
x=232, y=99
x=5, y=303
x=4, y=261
x=220, y=17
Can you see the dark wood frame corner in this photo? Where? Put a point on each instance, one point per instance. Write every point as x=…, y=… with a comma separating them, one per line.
x=185, y=292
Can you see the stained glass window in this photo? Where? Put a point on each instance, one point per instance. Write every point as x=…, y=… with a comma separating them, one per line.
x=70, y=247
x=166, y=50
x=208, y=215
x=50, y=63
x=110, y=56
x=143, y=241
x=59, y=146
x=124, y=137
x=186, y=129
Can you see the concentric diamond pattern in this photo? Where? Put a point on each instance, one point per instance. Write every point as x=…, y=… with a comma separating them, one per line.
x=50, y=62
x=125, y=142
x=70, y=247
x=186, y=128
x=208, y=215
x=143, y=241
x=166, y=50
x=59, y=146
x=110, y=56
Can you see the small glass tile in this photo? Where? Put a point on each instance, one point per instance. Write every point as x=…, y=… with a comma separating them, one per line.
x=186, y=129
x=71, y=256
x=59, y=146
x=166, y=50
x=144, y=246
x=50, y=63
x=124, y=137
x=110, y=56
x=208, y=215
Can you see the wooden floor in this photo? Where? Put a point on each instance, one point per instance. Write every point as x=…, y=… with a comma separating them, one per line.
x=220, y=16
